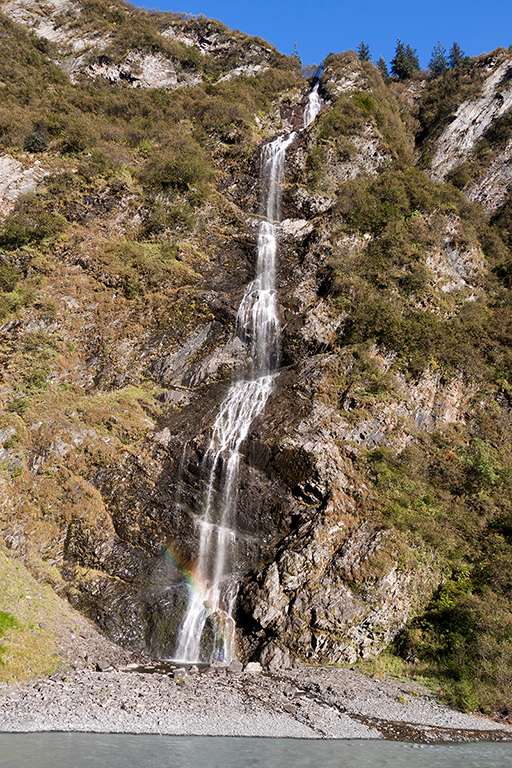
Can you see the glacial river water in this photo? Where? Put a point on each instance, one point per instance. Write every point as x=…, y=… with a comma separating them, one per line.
x=90, y=750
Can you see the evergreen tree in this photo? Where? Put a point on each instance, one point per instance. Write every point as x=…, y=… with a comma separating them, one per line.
x=398, y=62
x=413, y=63
x=438, y=63
x=364, y=52
x=381, y=65
x=457, y=58
x=405, y=61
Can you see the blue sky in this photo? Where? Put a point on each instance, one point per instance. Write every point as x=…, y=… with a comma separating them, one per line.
x=336, y=25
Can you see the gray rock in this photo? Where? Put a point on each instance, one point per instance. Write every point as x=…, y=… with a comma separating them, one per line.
x=471, y=120
x=219, y=665
x=103, y=665
x=253, y=668
x=180, y=673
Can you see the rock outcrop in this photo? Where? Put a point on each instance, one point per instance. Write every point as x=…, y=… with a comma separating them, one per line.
x=90, y=43
x=18, y=179
x=120, y=340
x=472, y=119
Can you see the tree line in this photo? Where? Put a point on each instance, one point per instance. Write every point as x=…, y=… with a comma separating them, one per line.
x=405, y=63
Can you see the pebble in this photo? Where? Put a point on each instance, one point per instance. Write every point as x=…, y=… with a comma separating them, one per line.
x=327, y=703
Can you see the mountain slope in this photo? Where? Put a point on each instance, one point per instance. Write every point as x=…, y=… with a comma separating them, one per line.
x=374, y=500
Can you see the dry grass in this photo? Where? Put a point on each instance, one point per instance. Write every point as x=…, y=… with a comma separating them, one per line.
x=39, y=615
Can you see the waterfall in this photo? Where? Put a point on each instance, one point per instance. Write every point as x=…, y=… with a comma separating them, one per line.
x=214, y=589
x=313, y=106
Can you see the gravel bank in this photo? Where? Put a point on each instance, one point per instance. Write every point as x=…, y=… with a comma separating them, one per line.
x=304, y=703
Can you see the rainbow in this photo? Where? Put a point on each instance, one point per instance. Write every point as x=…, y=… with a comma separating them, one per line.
x=197, y=585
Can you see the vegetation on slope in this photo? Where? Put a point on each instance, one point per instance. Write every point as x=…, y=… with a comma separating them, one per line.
x=159, y=154
x=99, y=143
x=450, y=488
x=106, y=256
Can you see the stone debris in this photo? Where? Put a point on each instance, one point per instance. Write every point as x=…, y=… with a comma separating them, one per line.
x=180, y=673
x=327, y=703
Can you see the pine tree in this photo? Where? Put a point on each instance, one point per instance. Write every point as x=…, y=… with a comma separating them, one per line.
x=381, y=65
x=457, y=57
x=363, y=52
x=398, y=62
x=438, y=63
x=405, y=62
x=413, y=62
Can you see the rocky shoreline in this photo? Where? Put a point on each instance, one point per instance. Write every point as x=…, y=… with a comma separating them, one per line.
x=310, y=702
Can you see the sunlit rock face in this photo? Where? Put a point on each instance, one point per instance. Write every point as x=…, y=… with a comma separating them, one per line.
x=106, y=477
x=471, y=120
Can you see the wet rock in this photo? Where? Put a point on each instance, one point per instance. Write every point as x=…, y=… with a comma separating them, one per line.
x=317, y=614
x=180, y=673
x=235, y=666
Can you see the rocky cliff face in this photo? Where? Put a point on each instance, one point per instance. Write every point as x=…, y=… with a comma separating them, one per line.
x=114, y=42
x=121, y=344
x=474, y=118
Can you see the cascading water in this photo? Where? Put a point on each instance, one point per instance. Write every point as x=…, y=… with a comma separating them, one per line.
x=313, y=106
x=215, y=587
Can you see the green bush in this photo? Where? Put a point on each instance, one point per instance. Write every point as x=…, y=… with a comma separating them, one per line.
x=180, y=165
x=30, y=222
x=10, y=302
x=394, y=194
x=9, y=276
x=177, y=216
x=346, y=119
x=450, y=491
x=36, y=142
x=7, y=622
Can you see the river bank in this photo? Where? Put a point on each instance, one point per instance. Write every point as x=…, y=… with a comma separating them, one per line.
x=312, y=703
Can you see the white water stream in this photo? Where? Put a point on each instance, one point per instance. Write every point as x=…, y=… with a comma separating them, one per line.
x=214, y=588
x=313, y=106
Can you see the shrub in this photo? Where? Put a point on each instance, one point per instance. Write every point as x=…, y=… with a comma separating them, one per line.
x=164, y=216
x=346, y=118
x=36, y=142
x=393, y=195
x=10, y=302
x=9, y=276
x=181, y=165
x=30, y=222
